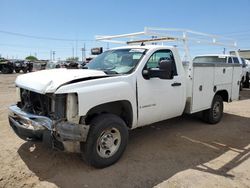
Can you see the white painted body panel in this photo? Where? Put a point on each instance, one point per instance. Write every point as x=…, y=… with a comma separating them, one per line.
x=157, y=98
x=235, y=84
x=201, y=99
x=47, y=81
x=206, y=78
x=95, y=92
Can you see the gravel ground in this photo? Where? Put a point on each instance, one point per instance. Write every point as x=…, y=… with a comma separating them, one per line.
x=181, y=152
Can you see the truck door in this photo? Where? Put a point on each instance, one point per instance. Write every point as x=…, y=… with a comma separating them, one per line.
x=159, y=98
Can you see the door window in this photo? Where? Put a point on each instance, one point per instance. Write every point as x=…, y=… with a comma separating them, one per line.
x=158, y=56
x=230, y=60
x=236, y=60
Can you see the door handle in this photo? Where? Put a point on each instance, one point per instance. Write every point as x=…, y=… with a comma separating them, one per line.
x=176, y=84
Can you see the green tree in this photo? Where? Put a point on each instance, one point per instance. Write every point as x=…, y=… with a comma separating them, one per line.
x=31, y=58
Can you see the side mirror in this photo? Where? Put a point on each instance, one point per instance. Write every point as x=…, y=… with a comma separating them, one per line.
x=165, y=71
x=146, y=74
x=166, y=67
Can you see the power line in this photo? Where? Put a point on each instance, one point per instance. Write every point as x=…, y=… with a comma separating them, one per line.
x=31, y=46
x=236, y=32
x=42, y=37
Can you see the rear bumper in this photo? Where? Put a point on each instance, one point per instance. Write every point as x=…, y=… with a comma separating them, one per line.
x=58, y=134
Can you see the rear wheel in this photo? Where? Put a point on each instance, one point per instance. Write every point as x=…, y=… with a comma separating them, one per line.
x=215, y=113
x=106, y=142
x=246, y=83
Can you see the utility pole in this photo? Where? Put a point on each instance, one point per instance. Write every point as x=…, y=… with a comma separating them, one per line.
x=50, y=55
x=76, y=47
x=83, y=53
x=224, y=50
x=54, y=52
x=73, y=53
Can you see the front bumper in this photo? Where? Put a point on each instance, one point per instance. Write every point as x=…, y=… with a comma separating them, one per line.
x=62, y=135
x=28, y=126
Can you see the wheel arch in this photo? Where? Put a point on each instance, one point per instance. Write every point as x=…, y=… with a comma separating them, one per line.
x=224, y=94
x=122, y=108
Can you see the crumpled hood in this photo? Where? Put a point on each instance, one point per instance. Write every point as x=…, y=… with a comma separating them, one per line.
x=47, y=81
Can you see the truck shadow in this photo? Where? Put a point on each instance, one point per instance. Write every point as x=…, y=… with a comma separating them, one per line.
x=154, y=154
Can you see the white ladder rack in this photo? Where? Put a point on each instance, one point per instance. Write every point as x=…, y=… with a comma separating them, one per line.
x=185, y=36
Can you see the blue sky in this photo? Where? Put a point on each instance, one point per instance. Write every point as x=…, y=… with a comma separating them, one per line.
x=78, y=20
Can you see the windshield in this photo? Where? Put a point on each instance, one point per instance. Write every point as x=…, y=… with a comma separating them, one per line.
x=210, y=59
x=119, y=61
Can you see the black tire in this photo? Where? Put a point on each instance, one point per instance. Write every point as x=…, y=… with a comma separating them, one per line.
x=30, y=69
x=25, y=70
x=11, y=70
x=6, y=70
x=215, y=113
x=241, y=85
x=246, y=83
x=17, y=70
x=99, y=126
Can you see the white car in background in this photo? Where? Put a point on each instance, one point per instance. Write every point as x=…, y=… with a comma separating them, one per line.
x=247, y=65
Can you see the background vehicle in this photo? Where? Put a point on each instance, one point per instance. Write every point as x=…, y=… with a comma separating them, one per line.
x=6, y=66
x=73, y=64
x=29, y=66
x=54, y=64
x=224, y=58
x=39, y=65
x=91, y=110
x=64, y=64
x=22, y=65
x=17, y=65
x=246, y=73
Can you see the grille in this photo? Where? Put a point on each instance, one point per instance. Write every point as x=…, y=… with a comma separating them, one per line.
x=49, y=105
x=35, y=103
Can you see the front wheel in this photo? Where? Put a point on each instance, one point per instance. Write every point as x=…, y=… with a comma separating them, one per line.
x=215, y=113
x=106, y=142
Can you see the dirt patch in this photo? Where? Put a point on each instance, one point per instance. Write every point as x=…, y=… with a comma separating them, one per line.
x=181, y=152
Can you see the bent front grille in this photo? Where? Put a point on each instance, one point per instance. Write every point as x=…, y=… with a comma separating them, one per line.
x=49, y=105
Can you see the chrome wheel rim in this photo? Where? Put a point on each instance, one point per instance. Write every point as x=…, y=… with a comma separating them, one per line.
x=108, y=142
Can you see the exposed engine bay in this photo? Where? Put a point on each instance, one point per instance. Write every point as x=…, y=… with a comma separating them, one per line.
x=49, y=105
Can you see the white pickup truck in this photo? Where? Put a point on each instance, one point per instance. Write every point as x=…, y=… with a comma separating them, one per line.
x=91, y=110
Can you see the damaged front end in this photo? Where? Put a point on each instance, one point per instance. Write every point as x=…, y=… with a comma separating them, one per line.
x=48, y=117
